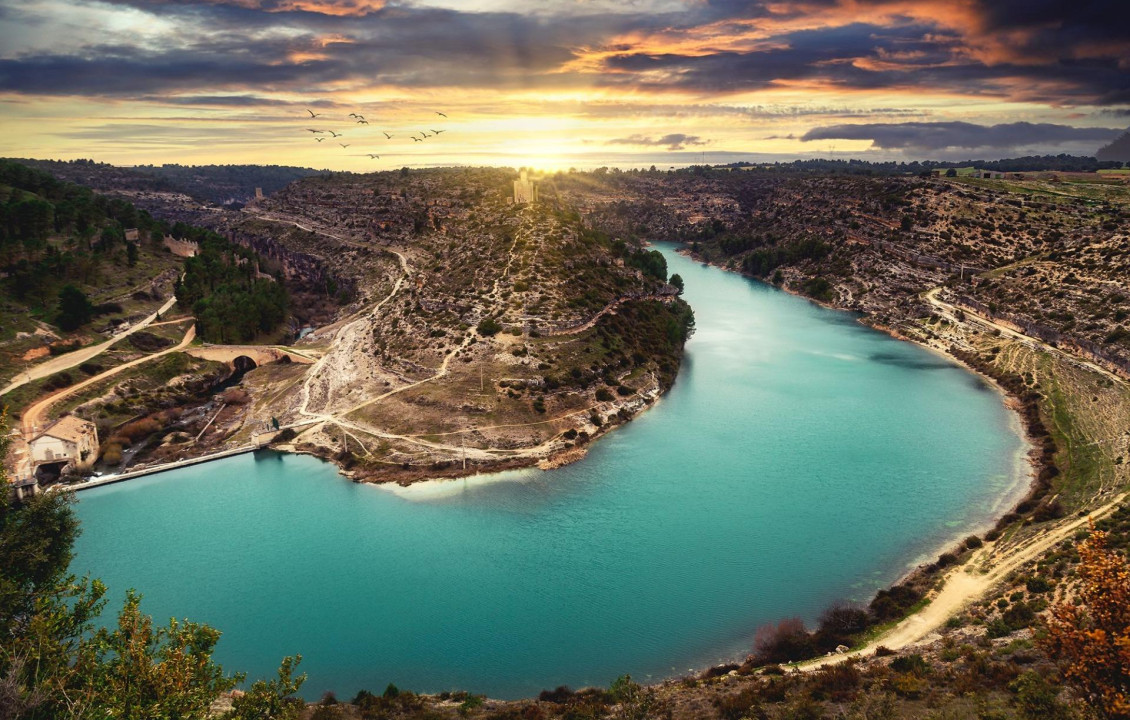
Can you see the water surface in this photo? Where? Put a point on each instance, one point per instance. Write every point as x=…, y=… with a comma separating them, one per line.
x=800, y=459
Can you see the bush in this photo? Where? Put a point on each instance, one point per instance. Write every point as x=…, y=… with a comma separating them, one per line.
x=893, y=603
x=744, y=704
x=560, y=695
x=603, y=395
x=786, y=642
x=1038, y=585
x=839, y=625
x=972, y=542
x=914, y=664
x=58, y=381
x=286, y=435
x=838, y=682
x=63, y=348
x=111, y=453
x=236, y=396
x=489, y=326
x=139, y=429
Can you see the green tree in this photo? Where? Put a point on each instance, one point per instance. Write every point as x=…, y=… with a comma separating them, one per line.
x=271, y=700
x=55, y=662
x=75, y=309
x=677, y=282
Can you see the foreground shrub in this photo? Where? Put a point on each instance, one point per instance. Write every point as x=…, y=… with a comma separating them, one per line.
x=788, y=641
x=1092, y=642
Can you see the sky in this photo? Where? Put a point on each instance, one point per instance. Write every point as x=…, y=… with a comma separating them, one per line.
x=571, y=83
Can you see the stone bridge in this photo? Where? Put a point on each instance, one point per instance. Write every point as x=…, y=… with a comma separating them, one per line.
x=258, y=354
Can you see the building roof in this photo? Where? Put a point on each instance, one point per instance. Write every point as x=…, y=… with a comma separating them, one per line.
x=69, y=428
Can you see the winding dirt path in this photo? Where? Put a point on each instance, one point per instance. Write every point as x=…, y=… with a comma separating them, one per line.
x=78, y=357
x=931, y=296
x=993, y=562
x=609, y=308
x=970, y=582
x=441, y=371
x=34, y=415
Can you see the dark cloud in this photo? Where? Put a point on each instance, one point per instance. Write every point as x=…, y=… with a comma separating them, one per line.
x=941, y=136
x=1046, y=51
x=673, y=141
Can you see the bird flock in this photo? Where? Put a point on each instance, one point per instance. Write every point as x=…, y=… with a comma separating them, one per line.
x=359, y=119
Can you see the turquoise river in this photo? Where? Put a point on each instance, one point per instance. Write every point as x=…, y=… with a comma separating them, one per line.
x=800, y=459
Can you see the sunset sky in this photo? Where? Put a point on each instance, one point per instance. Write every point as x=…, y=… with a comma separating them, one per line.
x=558, y=84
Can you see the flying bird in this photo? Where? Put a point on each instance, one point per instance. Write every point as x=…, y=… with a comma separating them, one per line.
x=319, y=139
x=344, y=145
x=313, y=114
x=425, y=134
x=335, y=134
x=387, y=136
x=315, y=131
x=355, y=115
x=415, y=138
x=362, y=122
x=437, y=132
x=374, y=157
x=440, y=114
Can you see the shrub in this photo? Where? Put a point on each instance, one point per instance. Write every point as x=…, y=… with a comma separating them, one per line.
x=914, y=664
x=139, y=429
x=744, y=704
x=785, y=642
x=286, y=435
x=1038, y=584
x=603, y=395
x=972, y=542
x=111, y=453
x=1019, y=615
x=839, y=682
x=1037, y=699
x=236, y=396
x=560, y=695
x=892, y=603
x=63, y=348
x=58, y=381
x=489, y=326
x=838, y=625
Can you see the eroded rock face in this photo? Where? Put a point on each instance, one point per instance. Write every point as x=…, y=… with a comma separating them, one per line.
x=1030, y=251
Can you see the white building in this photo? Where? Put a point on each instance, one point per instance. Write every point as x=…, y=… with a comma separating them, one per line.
x=70, y=440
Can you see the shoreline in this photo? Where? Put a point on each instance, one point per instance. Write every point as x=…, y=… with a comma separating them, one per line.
x=436, y=485
x=1026, y=464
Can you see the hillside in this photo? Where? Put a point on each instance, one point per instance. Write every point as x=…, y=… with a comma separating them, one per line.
x=1118, y=150
x=435, y=328
x=483, y=333
x=214, y=184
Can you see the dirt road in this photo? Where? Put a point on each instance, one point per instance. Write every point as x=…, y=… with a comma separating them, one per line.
x=33, y=418
x=970, y=582
x=78, y=357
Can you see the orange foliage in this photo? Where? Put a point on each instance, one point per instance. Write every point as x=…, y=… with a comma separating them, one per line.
x=140, y=428
x=1092, y=641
